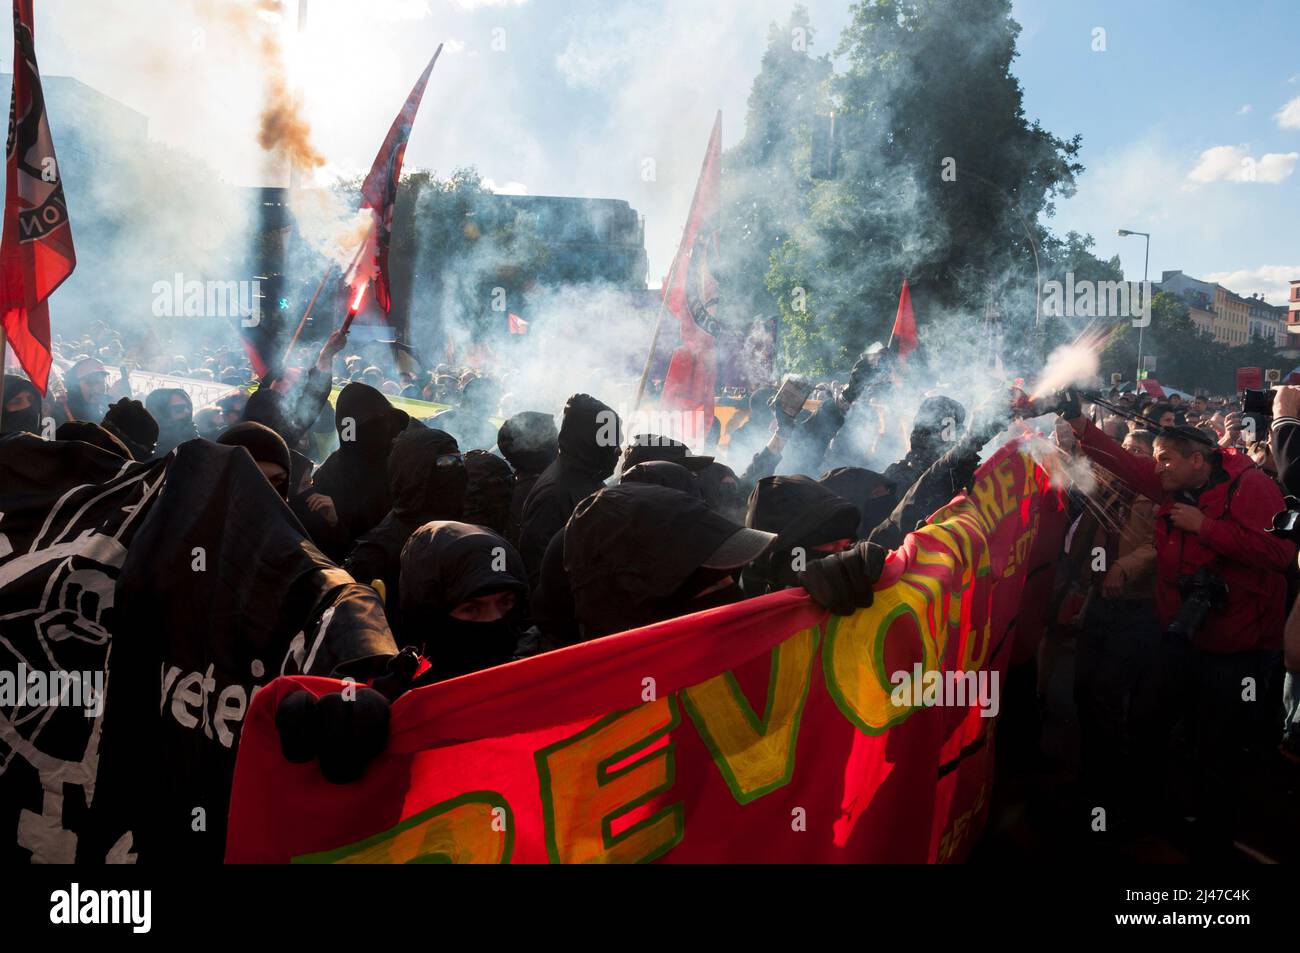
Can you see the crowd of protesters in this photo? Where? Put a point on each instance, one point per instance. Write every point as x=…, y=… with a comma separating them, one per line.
x=491, y=537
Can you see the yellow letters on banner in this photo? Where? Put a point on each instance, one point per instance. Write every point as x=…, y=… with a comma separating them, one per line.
x=854, y=657
x=756, y=755
x=586, y=786
x=475, y=828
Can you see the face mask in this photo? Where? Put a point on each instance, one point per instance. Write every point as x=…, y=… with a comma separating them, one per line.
x=457, y=647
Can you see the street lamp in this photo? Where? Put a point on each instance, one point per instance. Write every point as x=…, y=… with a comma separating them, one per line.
x=1125, y=233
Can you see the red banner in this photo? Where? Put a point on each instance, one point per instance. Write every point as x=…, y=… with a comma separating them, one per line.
x=691, y=294
x=759, y=732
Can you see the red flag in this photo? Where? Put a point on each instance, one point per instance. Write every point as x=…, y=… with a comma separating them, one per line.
x=518, y=325
x=692, y=295
x=379, y=195
x=36, y=253
x=904, y=324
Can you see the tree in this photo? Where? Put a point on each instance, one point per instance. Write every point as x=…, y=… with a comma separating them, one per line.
x=942, y=180
x=767, y=175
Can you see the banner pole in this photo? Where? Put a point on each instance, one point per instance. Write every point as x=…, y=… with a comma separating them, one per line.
x=306, y=314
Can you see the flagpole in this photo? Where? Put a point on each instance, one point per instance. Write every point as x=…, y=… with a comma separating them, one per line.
x=306, y=314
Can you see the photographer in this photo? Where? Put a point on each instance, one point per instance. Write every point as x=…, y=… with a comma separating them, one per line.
x=1220, y=590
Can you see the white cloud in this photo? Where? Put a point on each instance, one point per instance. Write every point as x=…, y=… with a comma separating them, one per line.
x=1234, y=164
x=453, y=46
x=1272, y=281
x=1288, y=117
x=1246, y=108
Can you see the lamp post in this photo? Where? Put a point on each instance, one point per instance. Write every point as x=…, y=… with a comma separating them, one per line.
x=1125, y=233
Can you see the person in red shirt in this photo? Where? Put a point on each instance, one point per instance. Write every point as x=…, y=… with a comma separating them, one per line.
x=1214, y=508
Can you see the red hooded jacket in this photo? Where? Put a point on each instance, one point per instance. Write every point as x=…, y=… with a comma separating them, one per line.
x=1232, y=543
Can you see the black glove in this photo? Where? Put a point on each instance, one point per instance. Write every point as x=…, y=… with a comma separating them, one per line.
x=135, y=426
x=864, y=368
x=345, y=734
x=1066, y=403
x=843, y=582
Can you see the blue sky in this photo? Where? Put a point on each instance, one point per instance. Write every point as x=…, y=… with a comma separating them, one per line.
x=1179, y=114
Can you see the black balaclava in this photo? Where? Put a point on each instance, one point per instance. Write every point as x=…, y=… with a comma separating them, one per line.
x=590, y=436
x=427, y=477
x=935, y=417
x=802, y=513
x=28, y=419
x=171, y=433
x=365, y=415
x=264, y=445
x=445, y=564
x=529, y=442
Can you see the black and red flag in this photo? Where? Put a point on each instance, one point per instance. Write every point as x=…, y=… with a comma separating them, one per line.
x=692, y=295
x=36, y=252
x=379, y=196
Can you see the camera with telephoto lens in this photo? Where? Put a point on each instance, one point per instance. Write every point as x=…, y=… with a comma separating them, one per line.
x=1201, y=593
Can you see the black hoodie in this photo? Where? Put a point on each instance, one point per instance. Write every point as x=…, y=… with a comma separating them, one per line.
x=444, y=564
x=529, y=442
x=589, y=443
x=171, y=433
x=16, y=421
x=802, y=513
x=422, y=491
x=355, y=476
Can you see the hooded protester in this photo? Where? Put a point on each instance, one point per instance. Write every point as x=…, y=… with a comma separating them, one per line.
x=721, y=489
x=808, y=520
x=134, y=426
x=22, y=406
x=174, y=411
x=636, y=554
x=210, y=422
x=469, y=421
x=464, y=603
x=355, y=476
x=873, y=495
x=427, y=480
x=87, y=386
x=529, y=442
x=662, y=473
x=589, y=441
x=935, y=428
x=268, y=450
x=487, y=495
x=93, y=434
